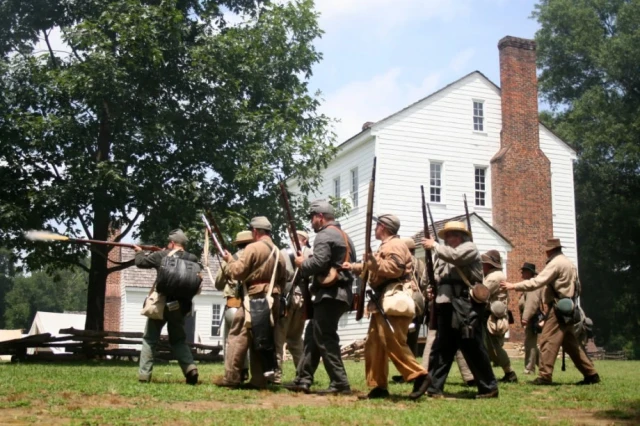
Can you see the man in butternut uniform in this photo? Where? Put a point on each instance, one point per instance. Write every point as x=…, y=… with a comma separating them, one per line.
x=496, y=313
x=290, y=327
x=389, y=266
x=255, y=268
x=459, y=317
x=530, y=305
x=560, y=279
x=232, y=291
x=418, y=272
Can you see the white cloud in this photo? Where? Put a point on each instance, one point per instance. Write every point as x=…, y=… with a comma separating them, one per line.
x=372, y=100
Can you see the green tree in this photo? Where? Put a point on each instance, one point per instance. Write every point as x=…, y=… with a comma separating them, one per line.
x=156, y=110
x=7, y=272
x=589, y=54
x=65, y=290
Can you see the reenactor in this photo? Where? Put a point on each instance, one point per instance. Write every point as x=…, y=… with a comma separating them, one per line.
x=391, y=268
x=332, y=293
x=290, y=327
x=497, y=322
x=232, y=292
x=262, y=270
x=562, y=287
x=418, y=272
x=531, y=314
x=175, y=311
x=459, y=316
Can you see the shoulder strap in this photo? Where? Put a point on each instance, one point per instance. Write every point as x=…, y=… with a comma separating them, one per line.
x=346, y=242
x=275, y=268
x=464, y=277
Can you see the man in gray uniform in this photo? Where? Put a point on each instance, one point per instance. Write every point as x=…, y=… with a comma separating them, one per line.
x=321, y=340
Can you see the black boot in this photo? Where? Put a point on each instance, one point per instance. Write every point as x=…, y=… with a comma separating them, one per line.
x=376, y=393
x=192, y=377
x=589, y=380
x=420, y=385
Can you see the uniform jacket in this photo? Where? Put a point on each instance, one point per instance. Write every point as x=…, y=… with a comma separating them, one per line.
x=228, y=286
x=529, y=303
x=255, y=267
x=329, y=250
x=466, y=257
x=291, y=269
x=394, y=261
x=154, y=260
x=559, y=277
x=492, y=281
x=418, y=272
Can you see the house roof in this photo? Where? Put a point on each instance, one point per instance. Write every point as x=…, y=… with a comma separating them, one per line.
x=137, y=277
x=378, y=123
x=439, y=225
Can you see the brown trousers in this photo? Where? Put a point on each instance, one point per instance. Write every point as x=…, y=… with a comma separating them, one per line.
x=239, y=342
x=382, y=345
x=553, y=336
x=289, y=330
x=465, y=372
x=531, y=351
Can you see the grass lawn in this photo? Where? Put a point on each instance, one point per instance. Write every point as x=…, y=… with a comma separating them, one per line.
x=108, y=393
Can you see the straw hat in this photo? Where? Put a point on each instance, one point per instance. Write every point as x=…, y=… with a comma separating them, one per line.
x=453, y=226
x=243, y=237
x=553, y=243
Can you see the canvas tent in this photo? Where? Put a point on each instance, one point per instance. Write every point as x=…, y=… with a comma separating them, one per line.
x=52, y=322
x=9, y=335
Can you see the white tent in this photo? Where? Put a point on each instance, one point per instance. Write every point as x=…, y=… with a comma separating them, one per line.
x=9, y=335
x=52, y=322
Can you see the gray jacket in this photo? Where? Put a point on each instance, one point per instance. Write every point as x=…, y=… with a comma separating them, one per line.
x=329, y=250
x=466, y=257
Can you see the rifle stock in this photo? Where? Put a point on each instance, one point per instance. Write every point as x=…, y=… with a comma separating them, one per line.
x=429, y=261
x=360, y=301
x=293, y=236
x=217, y=236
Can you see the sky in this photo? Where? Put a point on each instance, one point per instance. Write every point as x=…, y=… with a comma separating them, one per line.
x=380, y=56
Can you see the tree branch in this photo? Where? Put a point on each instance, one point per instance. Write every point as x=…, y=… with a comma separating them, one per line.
x=76, y=210
x=121, y=266
x=73, y=49
x=53, y=57
x=128, y=228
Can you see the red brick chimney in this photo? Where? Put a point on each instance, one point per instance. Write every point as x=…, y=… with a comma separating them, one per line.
x=520, y=171
x=113, y=292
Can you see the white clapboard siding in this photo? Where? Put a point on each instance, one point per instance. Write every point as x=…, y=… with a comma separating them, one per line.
x=562, y=190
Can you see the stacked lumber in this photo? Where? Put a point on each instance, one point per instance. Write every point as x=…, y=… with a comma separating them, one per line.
x=81, y=344
x=354, y=351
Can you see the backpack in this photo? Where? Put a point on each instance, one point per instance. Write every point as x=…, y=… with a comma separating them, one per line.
x=178, y=278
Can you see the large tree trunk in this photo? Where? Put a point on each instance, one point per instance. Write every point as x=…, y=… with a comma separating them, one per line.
x=98, y=275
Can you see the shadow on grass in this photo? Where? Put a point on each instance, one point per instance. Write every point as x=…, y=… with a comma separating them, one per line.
x=627, y=411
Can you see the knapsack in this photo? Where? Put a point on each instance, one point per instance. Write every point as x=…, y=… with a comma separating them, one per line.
x=178, y=277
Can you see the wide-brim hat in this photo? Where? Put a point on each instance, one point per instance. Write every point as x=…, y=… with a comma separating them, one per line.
x=529, y=267
x=411, y=245
x=553, y=243
x=492, y=257
x=454, y=225
x=243, y=237
x=303, y=234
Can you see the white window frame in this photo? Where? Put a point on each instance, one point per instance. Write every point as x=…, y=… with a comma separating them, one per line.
x=484, y=191
x=440, y=164
x=337, y=189
x=478, y=115
x=355, y=182
x=216, y=307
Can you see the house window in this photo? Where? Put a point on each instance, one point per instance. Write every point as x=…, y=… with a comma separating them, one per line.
x=478, y=116
x=354, y=187
x=481, y=186
x=216, y=319
x=336, y=189
x=435, y=182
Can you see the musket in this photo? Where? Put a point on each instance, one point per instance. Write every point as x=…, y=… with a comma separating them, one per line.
x=429, y=259
x=466, y=211
x=433, y=224
x=360, y=301
x=293, y=236
x=376, y=302
x=219, y=246
x=51, y=236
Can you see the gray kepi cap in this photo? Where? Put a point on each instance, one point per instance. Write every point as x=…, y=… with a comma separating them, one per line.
x=178, y=237
x=321, y=207
x=260, y=222
x=390, y=221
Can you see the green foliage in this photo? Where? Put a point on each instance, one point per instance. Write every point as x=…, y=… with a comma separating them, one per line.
x=589, y=51
x=156, y=111
x=65, y=290
x=108, y=393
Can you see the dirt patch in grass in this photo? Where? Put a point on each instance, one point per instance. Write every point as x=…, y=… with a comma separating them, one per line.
x=590, y=418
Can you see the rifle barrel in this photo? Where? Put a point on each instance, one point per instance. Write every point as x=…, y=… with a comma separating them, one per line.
x=112, y=243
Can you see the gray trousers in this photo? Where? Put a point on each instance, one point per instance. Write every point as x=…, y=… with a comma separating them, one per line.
x=497, y=354
x=229, y=313
x=177, y=340
x=531, y=351
x=321, y=340
x=465, y=372
x=289, y=330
